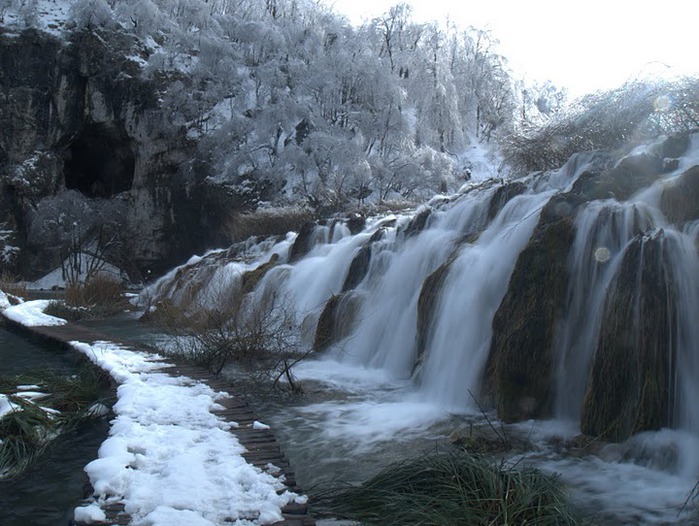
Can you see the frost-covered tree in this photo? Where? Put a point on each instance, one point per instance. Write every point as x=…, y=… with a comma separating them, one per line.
x=287, y=99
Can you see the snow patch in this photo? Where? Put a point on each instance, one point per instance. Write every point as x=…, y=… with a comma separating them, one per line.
x=260, y=425
x=31, y=314
x=89, y=265
x=90, y=514
x=6, y=406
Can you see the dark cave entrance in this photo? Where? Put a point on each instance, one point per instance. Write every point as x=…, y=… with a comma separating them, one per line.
x=100, y=162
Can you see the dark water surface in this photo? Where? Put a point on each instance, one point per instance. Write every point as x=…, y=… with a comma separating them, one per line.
x=47, y=493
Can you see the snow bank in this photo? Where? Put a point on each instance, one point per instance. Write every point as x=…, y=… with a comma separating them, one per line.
x=169, y=458
x=90, y=514
x=31, y=314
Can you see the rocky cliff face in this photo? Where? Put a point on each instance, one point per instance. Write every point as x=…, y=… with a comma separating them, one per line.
x=87, y=153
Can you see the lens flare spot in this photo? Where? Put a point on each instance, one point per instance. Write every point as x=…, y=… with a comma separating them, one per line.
x=662, y=103
x=602, y=254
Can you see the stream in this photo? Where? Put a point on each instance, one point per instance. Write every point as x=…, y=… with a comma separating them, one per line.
x=352, y=421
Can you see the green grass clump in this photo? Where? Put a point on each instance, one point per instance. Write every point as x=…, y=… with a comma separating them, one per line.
x=28, y=431
x=444, y=488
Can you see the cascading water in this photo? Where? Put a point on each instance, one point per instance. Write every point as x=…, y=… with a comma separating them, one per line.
x=419, y=296
x=477, y=281
x=603, y=230
x=682, y=255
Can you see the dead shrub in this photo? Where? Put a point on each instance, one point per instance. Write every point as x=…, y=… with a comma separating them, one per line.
x=11, y=285
x=101, y=295
x=219, y=328
x=615, y=119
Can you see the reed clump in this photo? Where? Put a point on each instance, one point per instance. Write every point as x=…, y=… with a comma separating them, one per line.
x=48, y=405
x=454, y=487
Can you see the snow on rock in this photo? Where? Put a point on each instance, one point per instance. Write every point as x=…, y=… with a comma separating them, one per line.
x=168, y=457
x=6, y=406
x=48, y=15
x=90, y=514
x=31, y=314
x=260, y=425
x=57, y=277
x=4, y=301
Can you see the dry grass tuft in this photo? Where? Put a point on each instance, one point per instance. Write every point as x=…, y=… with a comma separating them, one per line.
x=266, y=222
x=10, y=284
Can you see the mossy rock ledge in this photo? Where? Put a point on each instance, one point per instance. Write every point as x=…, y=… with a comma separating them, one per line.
x=629, y=388
x=680, y=198
x=520, y=363
x=252, y=277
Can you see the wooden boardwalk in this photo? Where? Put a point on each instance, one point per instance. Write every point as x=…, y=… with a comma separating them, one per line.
x=261, y=444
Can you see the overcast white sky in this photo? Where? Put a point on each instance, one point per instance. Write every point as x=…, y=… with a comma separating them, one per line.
x=583, y=45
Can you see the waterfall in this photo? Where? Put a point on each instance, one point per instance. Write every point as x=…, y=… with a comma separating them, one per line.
x=425, y=296
x=603, y=231
x=477, y=281
x=682, y=255
x=606, y=230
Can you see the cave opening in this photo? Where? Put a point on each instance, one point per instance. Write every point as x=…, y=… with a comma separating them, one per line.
x=100, y=162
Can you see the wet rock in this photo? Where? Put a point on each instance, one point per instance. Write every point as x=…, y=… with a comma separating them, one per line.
x=426, y=304
x=360, y=264
x=303, y=242
x=326, y=325
x=680, y=198
x=356, y=222
x=630, y=175
x=336, y=321
x=520, y=364
x=670, y=165
x=502, y=195
x=675, y=146
x=417, y=224
x=358, y=268
x=629, y=388
x=253, y=277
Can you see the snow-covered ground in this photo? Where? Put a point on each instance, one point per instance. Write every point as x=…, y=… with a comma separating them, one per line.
x=88, y=265
x=169, y=458
x=31, y=314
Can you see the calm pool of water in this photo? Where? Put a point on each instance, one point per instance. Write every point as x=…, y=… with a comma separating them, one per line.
x=47, y=493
